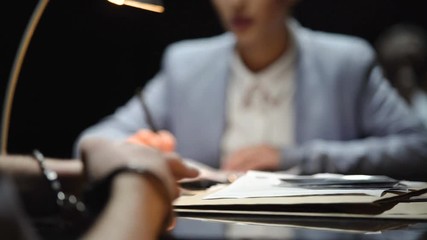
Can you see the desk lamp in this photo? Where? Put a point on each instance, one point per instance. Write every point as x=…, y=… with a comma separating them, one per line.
x=151, y=5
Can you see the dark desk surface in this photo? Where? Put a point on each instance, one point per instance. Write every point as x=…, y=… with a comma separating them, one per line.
x=223, y=227
x=300, y=228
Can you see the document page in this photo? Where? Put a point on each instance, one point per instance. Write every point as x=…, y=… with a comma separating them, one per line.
x=257, y=184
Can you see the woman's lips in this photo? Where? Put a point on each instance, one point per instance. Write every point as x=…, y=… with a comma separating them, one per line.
x=240, y=23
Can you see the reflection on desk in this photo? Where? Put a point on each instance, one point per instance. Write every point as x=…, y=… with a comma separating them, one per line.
x=240, y=227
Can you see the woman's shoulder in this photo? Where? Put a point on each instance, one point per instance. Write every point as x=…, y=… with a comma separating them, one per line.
x=335, y=43
x=334, y=49
x=201, y=45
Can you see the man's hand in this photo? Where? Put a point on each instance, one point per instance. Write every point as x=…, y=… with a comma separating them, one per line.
x=260, y=157
x=134, y=197
x=101, y=157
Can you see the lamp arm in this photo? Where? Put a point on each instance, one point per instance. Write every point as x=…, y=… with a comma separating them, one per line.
x=16, y=69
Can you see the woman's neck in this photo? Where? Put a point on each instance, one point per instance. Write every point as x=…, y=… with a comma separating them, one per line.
x=262, y=53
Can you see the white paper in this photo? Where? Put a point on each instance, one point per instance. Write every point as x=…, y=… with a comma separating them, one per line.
x=262, y=184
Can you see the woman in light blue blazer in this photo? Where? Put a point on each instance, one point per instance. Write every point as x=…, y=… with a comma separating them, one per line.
x=344, y=117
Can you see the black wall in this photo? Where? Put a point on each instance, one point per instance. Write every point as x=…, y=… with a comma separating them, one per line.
x=88, y=56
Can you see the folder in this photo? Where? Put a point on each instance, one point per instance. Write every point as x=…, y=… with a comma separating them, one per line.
x=393, y=204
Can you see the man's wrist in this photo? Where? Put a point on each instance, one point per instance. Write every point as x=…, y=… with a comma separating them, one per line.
x=128, y=183
x=131, y=187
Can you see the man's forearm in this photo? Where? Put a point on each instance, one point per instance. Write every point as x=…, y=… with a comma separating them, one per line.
x=134, y=211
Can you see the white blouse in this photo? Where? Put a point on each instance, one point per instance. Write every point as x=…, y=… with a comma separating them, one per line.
x=260, y=105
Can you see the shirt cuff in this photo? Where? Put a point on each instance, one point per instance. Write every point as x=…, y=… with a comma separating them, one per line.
x=291, y=157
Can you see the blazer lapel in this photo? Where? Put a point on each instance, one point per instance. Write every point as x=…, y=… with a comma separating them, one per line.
x=307, y=108
x=206, y=103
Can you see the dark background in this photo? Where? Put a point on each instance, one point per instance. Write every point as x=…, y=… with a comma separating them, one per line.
x=87, y=57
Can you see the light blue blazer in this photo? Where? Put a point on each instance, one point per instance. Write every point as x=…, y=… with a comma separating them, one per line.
x=347, y=118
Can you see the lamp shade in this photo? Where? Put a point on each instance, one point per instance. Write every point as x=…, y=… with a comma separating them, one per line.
x=151, y=5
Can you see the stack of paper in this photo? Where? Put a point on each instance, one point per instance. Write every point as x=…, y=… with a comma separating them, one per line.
x=273, y=194
x=262, y=184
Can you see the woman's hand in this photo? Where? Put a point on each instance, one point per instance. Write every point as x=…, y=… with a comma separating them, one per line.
x=260, y=157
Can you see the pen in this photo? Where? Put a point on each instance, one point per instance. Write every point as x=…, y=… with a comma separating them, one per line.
x=147, y=114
